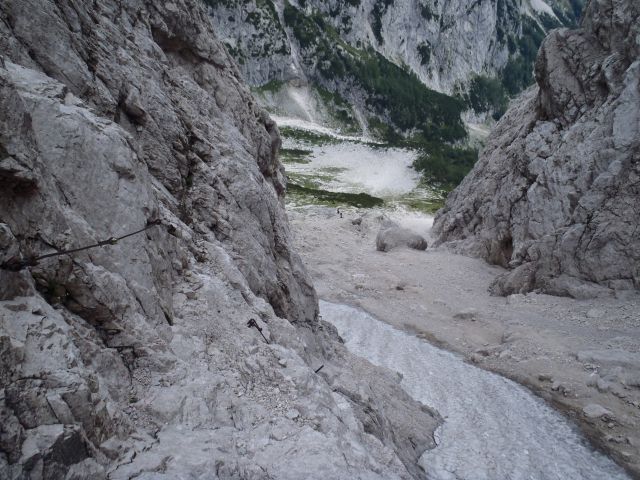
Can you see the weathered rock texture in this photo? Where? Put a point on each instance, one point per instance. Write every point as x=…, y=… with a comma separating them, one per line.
x=298, y=51
x=392, y=235
x=556, y=194
x=134, y=360
x=444, y=43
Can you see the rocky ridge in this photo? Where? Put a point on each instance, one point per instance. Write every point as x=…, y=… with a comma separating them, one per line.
x=134, y=360
x=555, y=195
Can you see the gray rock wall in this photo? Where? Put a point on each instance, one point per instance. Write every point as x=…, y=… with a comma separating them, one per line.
x=134, y=359
x=555, y=195
x=444, y=43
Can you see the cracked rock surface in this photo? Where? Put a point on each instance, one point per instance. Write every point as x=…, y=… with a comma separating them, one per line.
x=134, y=360
x=555, y=196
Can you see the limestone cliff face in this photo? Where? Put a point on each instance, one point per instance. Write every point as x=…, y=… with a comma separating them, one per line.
x=348, y=64
x=556, y=193
x=176, y=92
x=444, y=43
x=135, y=359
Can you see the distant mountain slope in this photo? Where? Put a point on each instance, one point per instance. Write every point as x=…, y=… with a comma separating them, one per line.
x=387, y=55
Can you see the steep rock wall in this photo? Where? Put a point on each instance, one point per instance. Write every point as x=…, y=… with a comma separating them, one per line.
x=556, y=194
x=444, y=43
x=134, y=359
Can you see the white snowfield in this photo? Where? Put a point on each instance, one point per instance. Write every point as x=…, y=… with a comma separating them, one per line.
x=493, y=428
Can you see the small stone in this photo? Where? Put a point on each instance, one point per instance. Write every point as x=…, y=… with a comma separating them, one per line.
x=357, y=221
x=292, y=414
x=543, y=377
x=593, y=410
x=467, y=314
x=475, y=358
x=602, y=385
x=595, y=313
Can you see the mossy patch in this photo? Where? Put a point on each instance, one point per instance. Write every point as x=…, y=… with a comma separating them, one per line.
x=273, y=86
x=326, y=197
x=308, y=137
x=427, y=204
x=295, y=155
x=310, y=180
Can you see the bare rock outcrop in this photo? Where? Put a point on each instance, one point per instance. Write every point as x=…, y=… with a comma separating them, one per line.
x=134, y=360
x=555, y=196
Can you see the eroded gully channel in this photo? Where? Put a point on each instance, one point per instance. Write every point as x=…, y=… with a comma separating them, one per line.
x=494, y=429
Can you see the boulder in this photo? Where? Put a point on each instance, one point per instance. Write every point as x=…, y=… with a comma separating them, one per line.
x=392, y=235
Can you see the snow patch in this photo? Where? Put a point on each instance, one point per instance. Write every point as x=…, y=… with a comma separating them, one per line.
x=540, y=6
x=493, y=428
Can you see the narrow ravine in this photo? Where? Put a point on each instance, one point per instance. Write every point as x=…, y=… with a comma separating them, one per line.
x=493, y=428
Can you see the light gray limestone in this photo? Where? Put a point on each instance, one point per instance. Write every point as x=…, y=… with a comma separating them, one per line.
x=555, y=196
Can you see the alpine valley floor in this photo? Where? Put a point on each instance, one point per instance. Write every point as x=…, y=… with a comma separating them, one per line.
x=582, y=356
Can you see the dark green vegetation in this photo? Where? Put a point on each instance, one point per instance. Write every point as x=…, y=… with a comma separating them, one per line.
x=396, y=96
x=518, y=73
x=429, y=202
x=486, y=95
x=295, y=155
x=339, y=109
x=444, y=165
x=407, y=102
x=273, y=87
x=379, y=8
x=359, y=200
x=424, y=50
x=426, y=13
